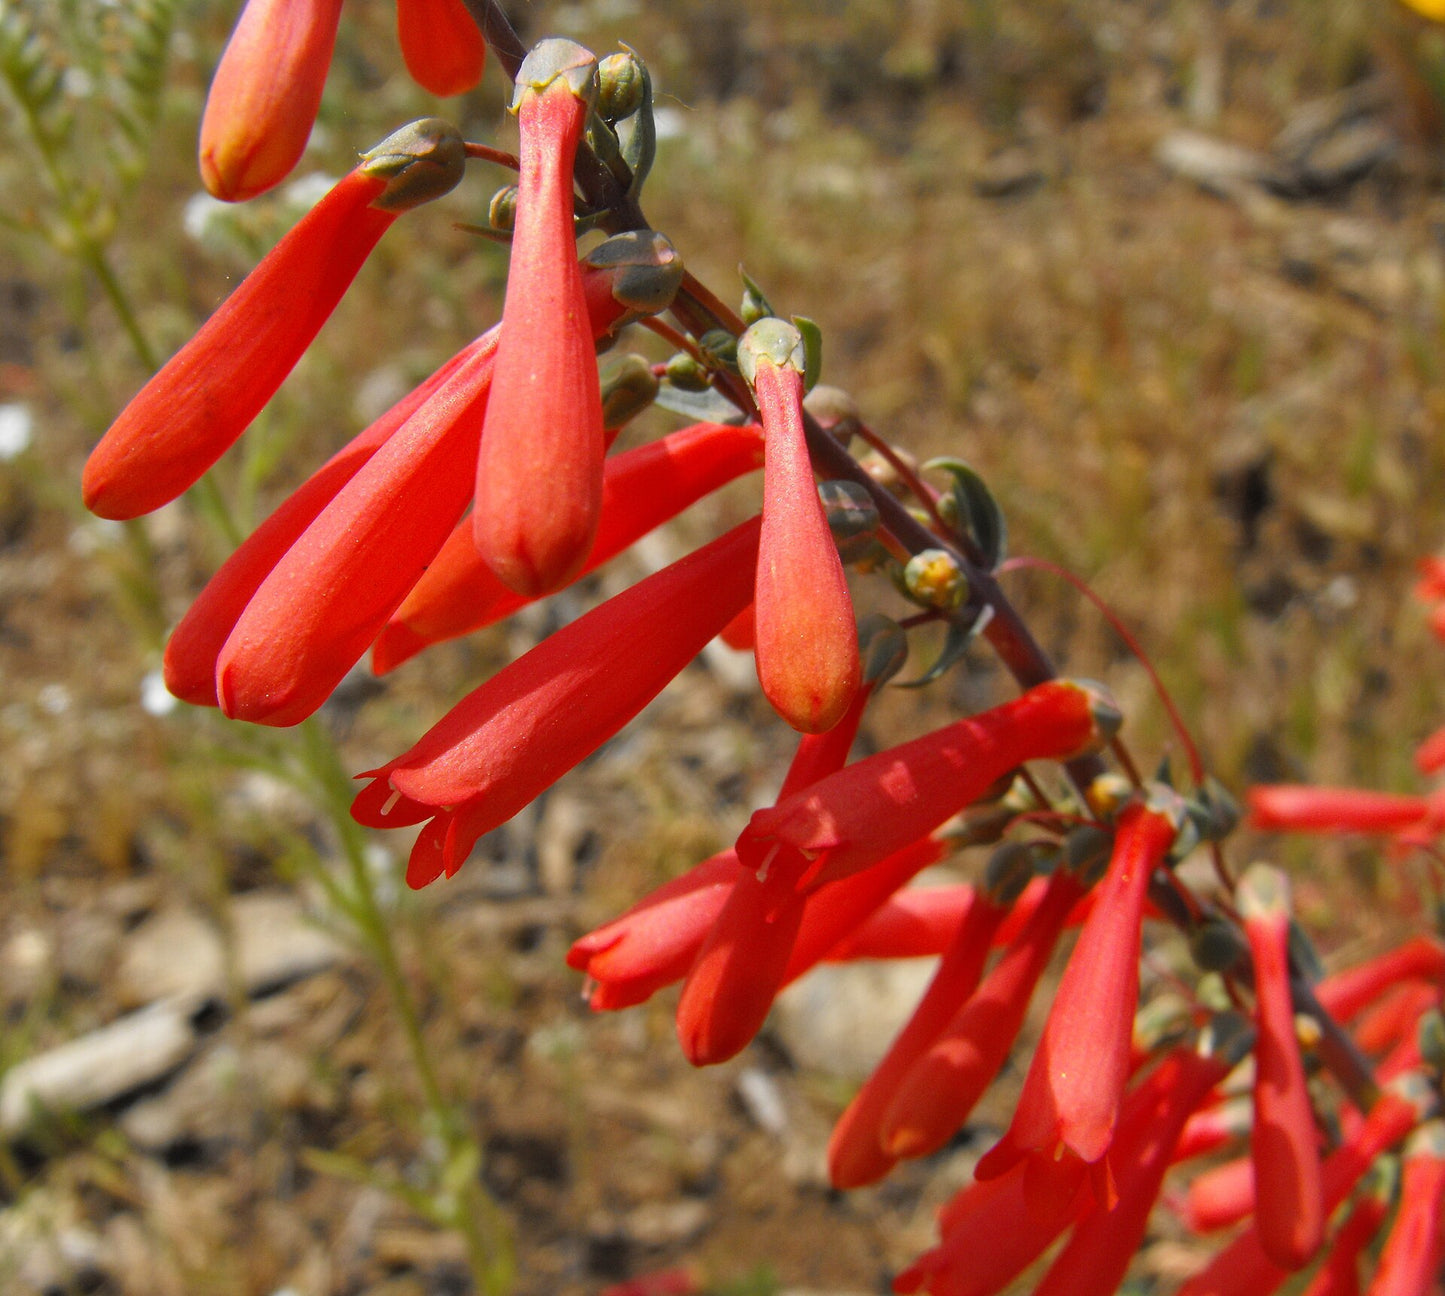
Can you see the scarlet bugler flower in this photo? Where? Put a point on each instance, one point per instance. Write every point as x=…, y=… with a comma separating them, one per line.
x=1284, y=1145
x=441, y=43
x=944, y=1083
x=1285, y=807
x=196, y=642
x=1243, y=1268
x=534, y=720
x=206, y=395
x=539, y=475
x=265, y=94
x=856, y=1154
x=805, y=641
x=1410, y=1261
x=641, y=489
x=1070, y=1098
x=878, y=805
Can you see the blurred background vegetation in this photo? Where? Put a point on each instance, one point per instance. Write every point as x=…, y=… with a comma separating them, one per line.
x=1170, y=274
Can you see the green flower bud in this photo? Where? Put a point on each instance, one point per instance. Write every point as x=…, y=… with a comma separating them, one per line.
x=772, y=341
x=621, y=82
x=852, y=517
x=628, y=387
x=688, y=374
x=421, y=161
x=502, y=210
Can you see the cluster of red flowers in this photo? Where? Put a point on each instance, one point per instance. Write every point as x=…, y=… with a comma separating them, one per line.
x=492, y=484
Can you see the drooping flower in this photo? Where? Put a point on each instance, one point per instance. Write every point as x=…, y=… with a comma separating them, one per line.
x=196, y=642
x=297, y=604
x=878, y=805
x=805, y=641
x=442, y=45
x=944, y=1083
x=856, y=1154
x=1339, y=1275
x=1243, y=1268
x=1221, y=1196
x=265, y=94
x=1410, y=1262
x=539, y=475
x=1070, y=1098
x=206, y=395
x=534, y=720
x=1285, y=807
x=1094, y=1260
x=641, y=489
x=1284, y=1145
x=1346, y=993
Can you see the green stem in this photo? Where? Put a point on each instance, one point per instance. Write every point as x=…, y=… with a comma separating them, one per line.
x=476, y=1214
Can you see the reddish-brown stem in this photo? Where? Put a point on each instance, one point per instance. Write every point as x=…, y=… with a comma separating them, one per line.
x=922, y=491
x=486, y=153
x=674, y=337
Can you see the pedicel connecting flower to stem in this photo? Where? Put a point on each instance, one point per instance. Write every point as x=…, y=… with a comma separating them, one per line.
x=495, y=483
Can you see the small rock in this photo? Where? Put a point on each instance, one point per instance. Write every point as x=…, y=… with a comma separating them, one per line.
x=840, y=1018
x=1213, y=164
x=98, y=1067
x=177, y=952
x=762, y=1101
x=667, y=1223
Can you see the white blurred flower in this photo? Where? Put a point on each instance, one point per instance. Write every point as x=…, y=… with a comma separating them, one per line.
x=16, y=426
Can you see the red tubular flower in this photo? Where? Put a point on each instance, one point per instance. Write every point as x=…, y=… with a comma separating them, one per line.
x=641, y=489
x=1070, y=1097
x=442, y=45
x=655, y=942
x=196, y=643
x=937, y=1093
x=878, y=805
x=1287, y=807
x=738, y=970
x=539, y=475
x=992, y=1231
x=1094, y=1261
x=206, y=395
x=919, y=922
x=805, y=639
x=1243, y=1268
x=1220, y=1197
x=313, y=616
x=1339, y=1275
x=856, y=1155
x=1212, y=1128
x=534, y=720
x=1430, y=754
x=265, y=94
x=1410, y=1262
x=745, y=956
x=1343, y=994
x=1395, y=1016
x=1284, y=1145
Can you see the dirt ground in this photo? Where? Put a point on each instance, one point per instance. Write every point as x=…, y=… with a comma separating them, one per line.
x=1170, y=276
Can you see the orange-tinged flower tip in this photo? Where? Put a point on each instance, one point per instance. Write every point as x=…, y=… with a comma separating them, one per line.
x=265, y=94
x=442, y=45
x=806, y=639
x=539, y=473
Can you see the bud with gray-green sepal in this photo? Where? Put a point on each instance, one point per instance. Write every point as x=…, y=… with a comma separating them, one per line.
x=688, y=373
x=852, y=518
x=557, y=59
x=621, y=83
x=422, y=161
x=1217, y=945
x=883, y=647
x=628, y=387
x=645, y=271
x=720, y=349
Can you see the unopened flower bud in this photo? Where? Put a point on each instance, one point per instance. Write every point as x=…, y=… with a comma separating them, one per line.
x=1108, y=793
x=421, y=161
x=720, y=349
x=1216, y=945
x=557, y=59
x=502, y=211
x=628, y=387
x=835, y=410
x=687, y=373
x=643, y=269
x=852, y=517
x=1010, y=868
x=1086, y=851
x=884, y=473
x=933, y=579
x=620, y=85
x=773, y=341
